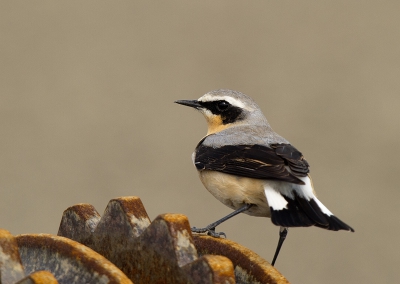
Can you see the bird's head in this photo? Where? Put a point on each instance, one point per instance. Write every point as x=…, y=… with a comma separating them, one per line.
x=225, y=108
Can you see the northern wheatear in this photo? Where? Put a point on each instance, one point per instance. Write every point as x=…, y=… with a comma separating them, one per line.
x=253, y=170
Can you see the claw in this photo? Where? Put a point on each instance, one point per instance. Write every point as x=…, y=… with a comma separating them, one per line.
x=216, y=234
x=198, y=230
x=210, y=231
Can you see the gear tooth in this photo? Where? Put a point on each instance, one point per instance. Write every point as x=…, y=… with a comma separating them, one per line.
x=79, y=222
x=210, y=265
x=124, y=218
x=169, y=236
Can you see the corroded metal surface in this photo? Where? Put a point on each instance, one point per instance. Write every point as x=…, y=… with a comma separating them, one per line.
x=249, y=267
x=11, y=269
x=161, y=251
x=79, y=224
x=69, y=261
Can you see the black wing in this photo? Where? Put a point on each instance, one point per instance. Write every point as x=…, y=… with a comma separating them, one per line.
x=293, y=158
x=254, y=161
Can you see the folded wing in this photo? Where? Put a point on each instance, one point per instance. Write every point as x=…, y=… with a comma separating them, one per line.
x=254, y=161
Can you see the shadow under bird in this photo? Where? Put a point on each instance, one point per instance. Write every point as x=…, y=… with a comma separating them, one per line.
x=253, y=170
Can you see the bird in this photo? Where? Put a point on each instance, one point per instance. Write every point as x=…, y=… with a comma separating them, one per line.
x=251, y=169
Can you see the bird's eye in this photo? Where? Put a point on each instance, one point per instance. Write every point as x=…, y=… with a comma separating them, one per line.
x=222, y=105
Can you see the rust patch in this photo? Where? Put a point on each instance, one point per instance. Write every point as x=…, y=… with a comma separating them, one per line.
x=132, y=205
x=9, y=245
x=11, y=269
x=176, y=223
x=222, y=264
x=39, y=277
x=84, y=210
x=211, y=269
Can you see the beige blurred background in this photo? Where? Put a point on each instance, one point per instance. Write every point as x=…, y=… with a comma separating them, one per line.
x=87, y=114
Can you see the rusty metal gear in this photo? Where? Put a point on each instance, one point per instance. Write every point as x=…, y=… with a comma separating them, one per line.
x=124, y=246
x=162, y=251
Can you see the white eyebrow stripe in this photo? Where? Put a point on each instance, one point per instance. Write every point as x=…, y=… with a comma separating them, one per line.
x=232, y=101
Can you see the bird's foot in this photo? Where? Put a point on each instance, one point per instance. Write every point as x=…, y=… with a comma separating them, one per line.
x=210, y=231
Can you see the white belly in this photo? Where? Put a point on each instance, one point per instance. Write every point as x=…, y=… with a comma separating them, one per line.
x=235, y=192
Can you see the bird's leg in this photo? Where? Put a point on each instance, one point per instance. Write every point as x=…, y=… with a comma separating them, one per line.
x=282, y=236
x=210, y=229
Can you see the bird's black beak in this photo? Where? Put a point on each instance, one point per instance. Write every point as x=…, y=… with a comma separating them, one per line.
x=190, y=103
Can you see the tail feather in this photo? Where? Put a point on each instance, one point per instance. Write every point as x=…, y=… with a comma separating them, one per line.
x=298, y=211
x=335, y=224
x=311, y=208
x=291, y=216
